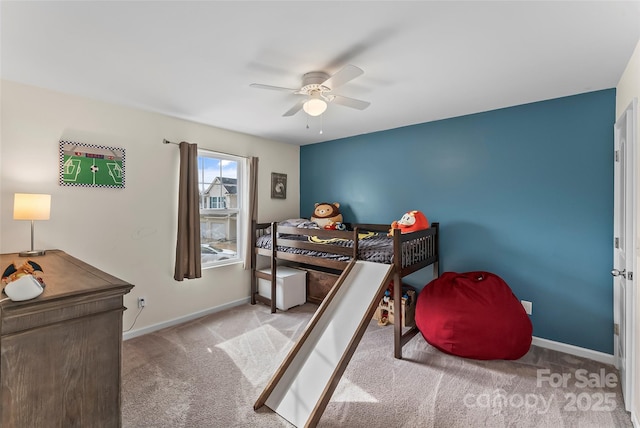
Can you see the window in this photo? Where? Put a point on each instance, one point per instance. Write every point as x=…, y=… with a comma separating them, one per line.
x=217, y=202
x=220, y=184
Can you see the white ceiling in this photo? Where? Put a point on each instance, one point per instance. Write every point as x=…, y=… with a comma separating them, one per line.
x=422, y=60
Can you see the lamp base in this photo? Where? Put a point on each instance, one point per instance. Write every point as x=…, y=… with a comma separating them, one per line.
x=32, y=253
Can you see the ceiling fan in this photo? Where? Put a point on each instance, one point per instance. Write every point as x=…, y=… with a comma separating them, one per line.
x=317, y=89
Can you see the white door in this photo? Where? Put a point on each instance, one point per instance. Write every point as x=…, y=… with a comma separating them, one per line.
x=624, y=247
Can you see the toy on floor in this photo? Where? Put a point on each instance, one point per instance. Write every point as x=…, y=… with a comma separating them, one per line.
x=387, y=296
x=384, y=318
x=326, y=213
x=410, y=222
x=383, y=314
x=386, y=308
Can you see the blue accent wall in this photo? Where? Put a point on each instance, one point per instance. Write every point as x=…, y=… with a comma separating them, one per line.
x=525, y=192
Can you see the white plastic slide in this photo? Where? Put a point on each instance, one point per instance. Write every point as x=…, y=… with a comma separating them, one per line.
x=302, y=386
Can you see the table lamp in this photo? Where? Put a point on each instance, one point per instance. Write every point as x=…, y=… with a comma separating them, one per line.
x=31, y=206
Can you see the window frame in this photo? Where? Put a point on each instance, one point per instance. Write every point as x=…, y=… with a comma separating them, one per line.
x=240, y=211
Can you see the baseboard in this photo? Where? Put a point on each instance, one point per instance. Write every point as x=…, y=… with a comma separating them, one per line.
x=180, y=320
x=575, y=350
x=537, y=341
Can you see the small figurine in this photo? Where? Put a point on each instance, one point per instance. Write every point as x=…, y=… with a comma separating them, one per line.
x=387, y=297
x=335, y=225
x=384, y=318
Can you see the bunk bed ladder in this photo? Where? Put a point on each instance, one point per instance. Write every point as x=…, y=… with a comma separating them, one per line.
x=257, y=274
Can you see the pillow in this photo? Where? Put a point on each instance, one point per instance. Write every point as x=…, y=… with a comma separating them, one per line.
x=296, y=222
x=293, y=222
x=473, y=315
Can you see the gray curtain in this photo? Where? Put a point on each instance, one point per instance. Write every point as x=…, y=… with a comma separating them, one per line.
x=188, y=263
x=252, y=209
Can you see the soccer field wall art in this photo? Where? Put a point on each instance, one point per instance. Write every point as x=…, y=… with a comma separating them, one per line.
x=90, y=165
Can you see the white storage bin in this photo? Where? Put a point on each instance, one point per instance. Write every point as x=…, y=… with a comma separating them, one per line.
x=291, y=287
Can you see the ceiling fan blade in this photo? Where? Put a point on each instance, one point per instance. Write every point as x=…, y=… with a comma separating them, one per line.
x=350, y=102
x=347, y=73
x=273, y=88
x=296, y=108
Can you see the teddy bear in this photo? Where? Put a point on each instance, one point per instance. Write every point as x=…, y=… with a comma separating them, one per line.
x=410, y=222
x=326, y=214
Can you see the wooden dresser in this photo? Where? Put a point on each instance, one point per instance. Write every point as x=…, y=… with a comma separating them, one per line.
x=60, y=353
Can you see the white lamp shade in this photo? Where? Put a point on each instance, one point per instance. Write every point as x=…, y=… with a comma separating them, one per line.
x=314, y=107
x=31, y=206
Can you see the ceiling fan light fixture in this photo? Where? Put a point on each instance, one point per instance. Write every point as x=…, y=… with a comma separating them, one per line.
x=318, y=87
x=314, y=106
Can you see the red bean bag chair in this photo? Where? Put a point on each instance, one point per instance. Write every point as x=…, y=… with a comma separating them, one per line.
x=473, y=315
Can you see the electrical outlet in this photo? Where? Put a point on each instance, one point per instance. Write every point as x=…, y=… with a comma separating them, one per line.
x=528, y=306
x=142, y=302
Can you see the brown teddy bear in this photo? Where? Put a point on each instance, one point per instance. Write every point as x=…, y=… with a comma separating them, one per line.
x=325, y=214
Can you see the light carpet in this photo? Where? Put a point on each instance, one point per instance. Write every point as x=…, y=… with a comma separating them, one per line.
x=209, y=372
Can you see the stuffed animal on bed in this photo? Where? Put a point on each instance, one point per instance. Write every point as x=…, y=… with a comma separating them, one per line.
x=326, y=214
x=335, y=226
x=410, y=222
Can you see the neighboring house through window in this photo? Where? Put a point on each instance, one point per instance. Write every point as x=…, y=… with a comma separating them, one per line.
x=220, y=186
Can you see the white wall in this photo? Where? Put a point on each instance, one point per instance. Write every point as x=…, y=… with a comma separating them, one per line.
x=627, y=89
x=131, y=232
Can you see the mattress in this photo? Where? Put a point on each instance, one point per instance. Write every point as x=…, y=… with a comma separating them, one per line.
x=373, y=247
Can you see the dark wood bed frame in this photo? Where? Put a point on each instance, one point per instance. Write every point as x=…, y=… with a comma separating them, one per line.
x=411, y=252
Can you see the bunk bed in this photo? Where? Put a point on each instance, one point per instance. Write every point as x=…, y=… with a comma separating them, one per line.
x=325, y=254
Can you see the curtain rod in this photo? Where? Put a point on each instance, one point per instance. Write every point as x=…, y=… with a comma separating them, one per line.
x=165, y=141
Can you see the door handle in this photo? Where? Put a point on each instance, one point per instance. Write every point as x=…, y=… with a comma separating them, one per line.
x=622, y=273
